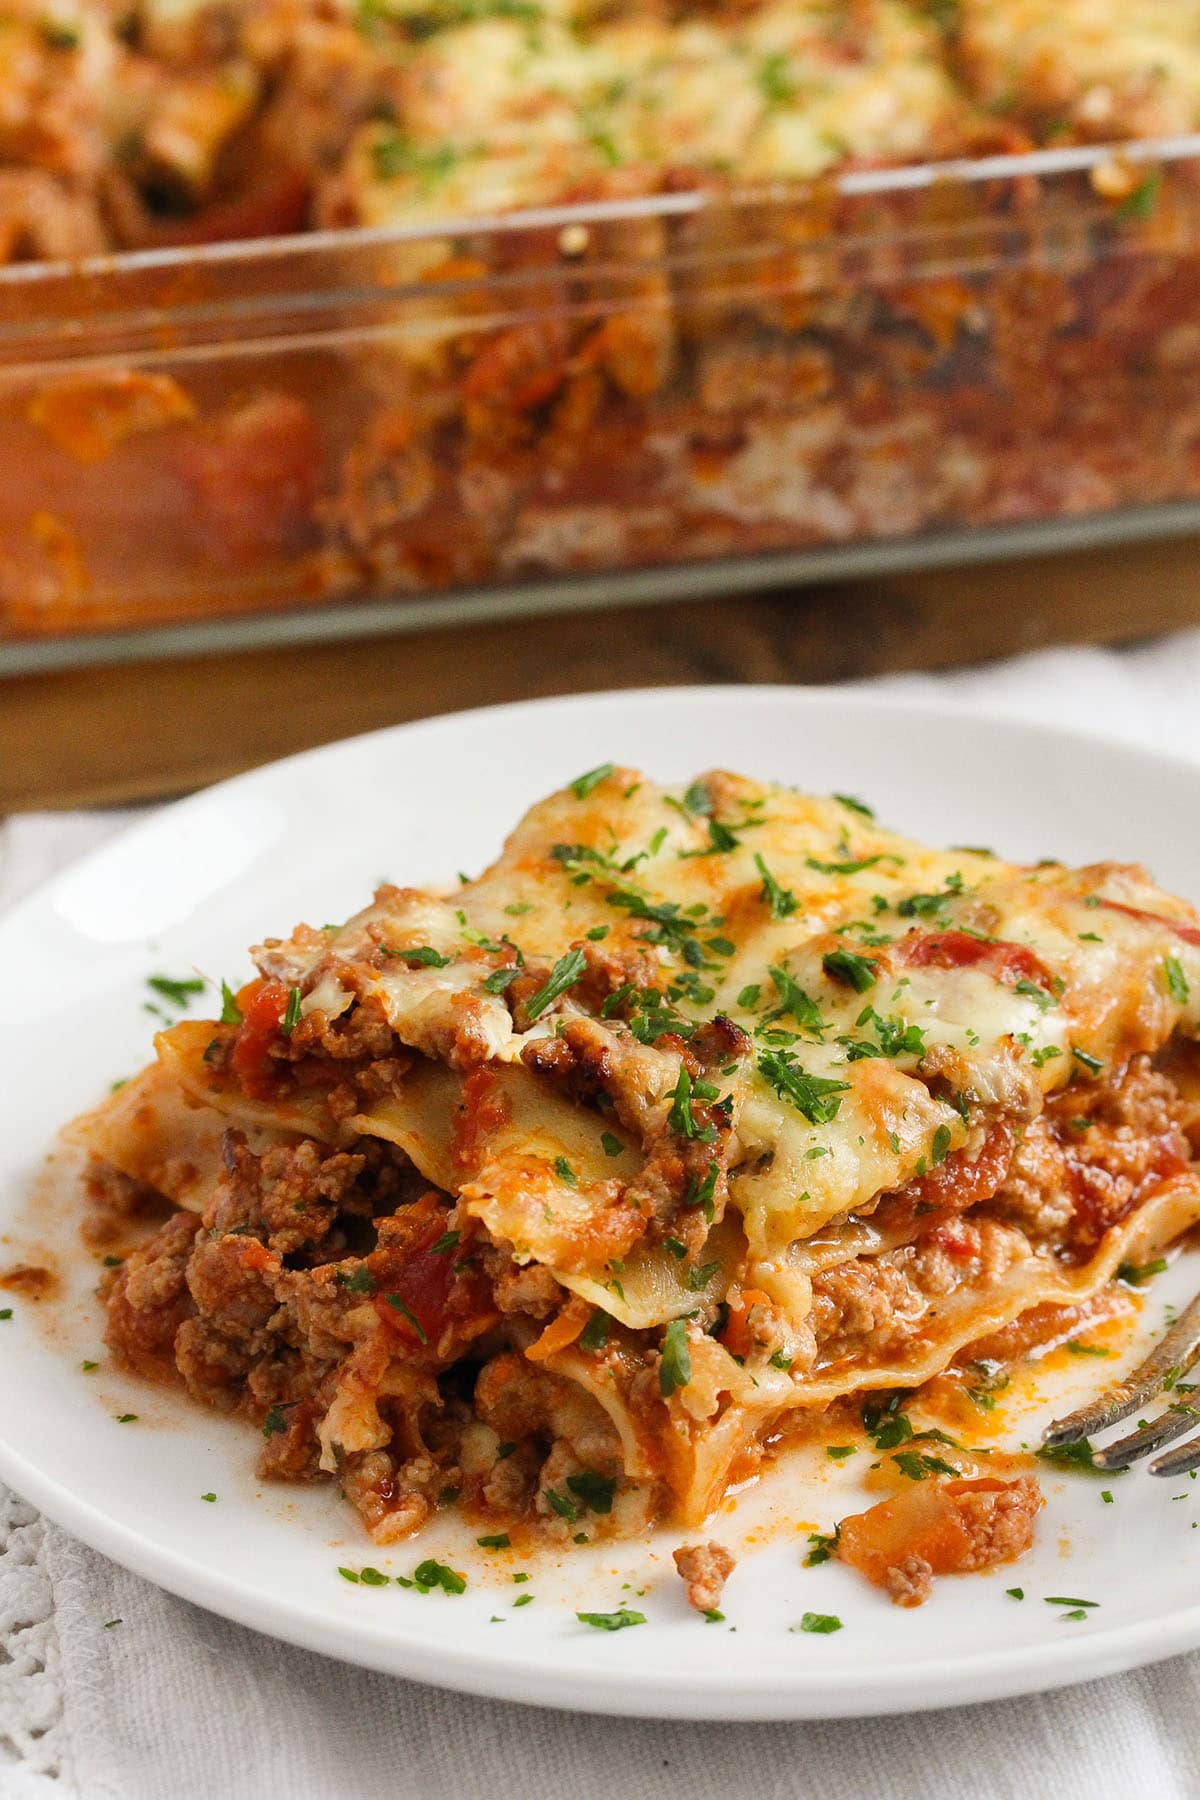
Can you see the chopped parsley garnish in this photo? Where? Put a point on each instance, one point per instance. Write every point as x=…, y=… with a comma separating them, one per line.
x=593, y=1490
x=274, y=1423
x=597, y=933
x=918, y=1466
x=774, y=82
x=749, y=995
x=1093, y=1064
x=926, y=906
x=941, y=1144
x=675, y=1369
x=701, y=1193
x=87, y=1366
x=1032, y=991
x=423, y=955
x=1078, y=1349
x=839, y=1452
x=699, y=1278
x=291, y=1016
x=842, y=868
x=125, y=1418
x=565, y=1172
x=1078, y=1455
x=1136, y=1273
x=359, y=1281
x=563, y=975
x=681, y=1118
x=524, y=1600
x=824, y=1546
x=209, y=1497
x=178, y=992
x=713, y=1616
x=431, y=1574
x=500, y=1540
x=793, y=1000
x=1175, y=980
x=397, y=1305
x=856, y=806
x=779, y=1361
x=814, y=1096
x=610, y=1144
x=1141, y=202
x=231, y=1012
x=782, y=902
x=394, y=155
x=698, y=799
x=6, y=1312
x=611, y=1621
x=563, y=1505
x=858, y=972
x=594, y=1335
x=821, y=1623
x=500, y=979
x=448, y=1241
x=373, y=1577
x=1015, y=1593
x=582, y=785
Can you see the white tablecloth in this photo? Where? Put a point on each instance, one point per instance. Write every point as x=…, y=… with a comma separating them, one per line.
x=178, y=1705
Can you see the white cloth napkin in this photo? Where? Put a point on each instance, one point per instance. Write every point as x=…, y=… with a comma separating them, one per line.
x=175, y=1704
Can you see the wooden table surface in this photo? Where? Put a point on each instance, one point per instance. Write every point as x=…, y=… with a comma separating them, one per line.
x=100, y=736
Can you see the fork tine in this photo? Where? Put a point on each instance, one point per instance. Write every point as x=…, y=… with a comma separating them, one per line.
x=1169, y=1425
x=1177, y=1351
x=1178, y=1462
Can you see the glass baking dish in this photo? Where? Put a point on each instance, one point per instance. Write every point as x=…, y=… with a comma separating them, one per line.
x=360, y=430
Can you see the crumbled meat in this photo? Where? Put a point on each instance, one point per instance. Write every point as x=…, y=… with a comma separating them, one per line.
x=148, y=1297
x=290, y=1195
x=705, y=1568
x=999, y=1521
x=910, y=1582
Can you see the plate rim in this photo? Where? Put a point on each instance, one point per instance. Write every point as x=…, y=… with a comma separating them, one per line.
x=927, y=1684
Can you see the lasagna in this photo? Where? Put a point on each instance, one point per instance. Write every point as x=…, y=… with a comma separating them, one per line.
x=703, y=1111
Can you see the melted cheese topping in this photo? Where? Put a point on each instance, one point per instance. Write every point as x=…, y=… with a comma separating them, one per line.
x=1099, y=65
x=897, y=1000
x=521, y=107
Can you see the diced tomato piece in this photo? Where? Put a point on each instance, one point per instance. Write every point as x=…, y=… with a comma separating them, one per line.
x=408, y=1269
x=1189, y=933
x=959, y=950
x=263, y=1005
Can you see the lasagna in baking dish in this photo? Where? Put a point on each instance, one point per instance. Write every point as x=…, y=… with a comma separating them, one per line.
x=701, y=1110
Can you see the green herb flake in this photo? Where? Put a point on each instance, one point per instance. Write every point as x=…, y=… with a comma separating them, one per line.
x=565, y=1172
x=749, y=995
x=178, y=992
x=1106, y=1496
x=854, y=805
x=814, y=1096
x=209, y=1497
x=594, y=1335
x=1092, y=1064
x=583, y=785
x=397, y=1305
x=431, y=1574
x=499, y=1541
x=839, y=1452
x=822, y=1624
x=563, y=975
x=593, y=1490
x=940, y=1146
x=125, y=1418
x=675, y=1369
x=274, y=1423
x=1141, y=202
x=524, y=1600
x=611, y=1621
x=87, y=1367
x=1135, y=1273
x=6, y=1312
x=1175, y=981
x=713, y=1616
x=1078, y=1349
x=781, y=901
x=231, y=1012
x=1015, y=1593
x=499, y=980
x=1067, y=1600
x=291, y=1016
x=448, y=1241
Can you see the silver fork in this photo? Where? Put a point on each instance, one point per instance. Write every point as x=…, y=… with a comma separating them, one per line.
x=1158, y=1377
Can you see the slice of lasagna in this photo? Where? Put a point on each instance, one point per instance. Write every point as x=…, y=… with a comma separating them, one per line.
x=703, y=1108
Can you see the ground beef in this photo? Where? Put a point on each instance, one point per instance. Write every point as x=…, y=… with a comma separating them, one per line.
x=705, y=1568
x=910, y=1582
x=875, y=1301
x=148, y=1298
x=289, y=1196
x=1093, y=1155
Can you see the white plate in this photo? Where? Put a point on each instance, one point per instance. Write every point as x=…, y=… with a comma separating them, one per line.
x=307, y=838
